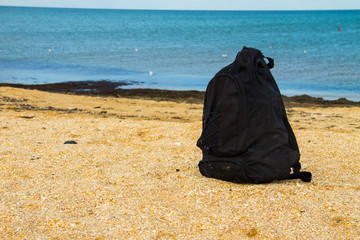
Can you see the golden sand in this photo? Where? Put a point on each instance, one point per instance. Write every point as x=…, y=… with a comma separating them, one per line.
x=133, y=174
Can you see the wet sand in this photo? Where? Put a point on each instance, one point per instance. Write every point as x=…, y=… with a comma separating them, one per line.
x=133, y=172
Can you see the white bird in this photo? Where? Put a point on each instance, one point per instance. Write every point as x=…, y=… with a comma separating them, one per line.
x=224, y=55
x=151, y=73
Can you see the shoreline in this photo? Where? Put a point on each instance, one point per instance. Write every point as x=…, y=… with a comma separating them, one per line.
x=113, y=89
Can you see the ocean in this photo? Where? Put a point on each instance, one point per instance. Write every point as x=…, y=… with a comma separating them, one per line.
x=316, y=52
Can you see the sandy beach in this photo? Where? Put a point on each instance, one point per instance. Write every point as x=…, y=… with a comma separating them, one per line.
x=133, y=173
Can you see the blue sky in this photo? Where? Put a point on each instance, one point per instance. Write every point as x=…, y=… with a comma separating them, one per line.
x=192, y=4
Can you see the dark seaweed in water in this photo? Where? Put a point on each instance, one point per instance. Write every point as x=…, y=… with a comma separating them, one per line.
x=94, y=87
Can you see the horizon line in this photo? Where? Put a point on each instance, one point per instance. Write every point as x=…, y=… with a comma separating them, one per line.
x=155, y=9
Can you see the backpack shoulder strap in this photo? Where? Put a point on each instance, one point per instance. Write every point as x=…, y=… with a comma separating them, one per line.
x=304, y=176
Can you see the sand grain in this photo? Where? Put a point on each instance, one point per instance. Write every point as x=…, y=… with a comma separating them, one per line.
x=133, y=174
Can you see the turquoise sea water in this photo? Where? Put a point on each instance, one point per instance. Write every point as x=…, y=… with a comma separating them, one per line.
x=182, y=49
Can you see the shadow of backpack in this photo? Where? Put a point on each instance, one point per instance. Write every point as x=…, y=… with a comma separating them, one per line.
x=246, y=136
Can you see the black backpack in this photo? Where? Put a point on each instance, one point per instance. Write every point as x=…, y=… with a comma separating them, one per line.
x=246, y=136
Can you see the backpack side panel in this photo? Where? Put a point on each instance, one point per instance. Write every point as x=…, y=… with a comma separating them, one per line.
x=279, y=112
x=273, y=156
